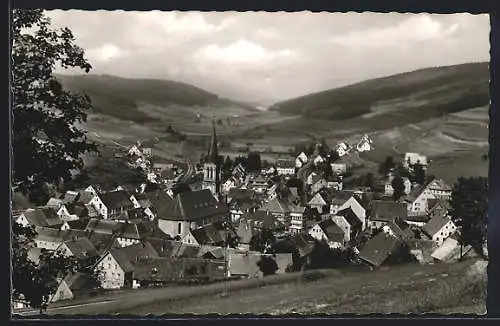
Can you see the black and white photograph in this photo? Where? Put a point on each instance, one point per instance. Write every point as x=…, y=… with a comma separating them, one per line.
x=264, y=163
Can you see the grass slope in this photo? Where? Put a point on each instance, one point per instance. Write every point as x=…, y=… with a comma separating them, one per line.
x=427, y=92
x=120, y=97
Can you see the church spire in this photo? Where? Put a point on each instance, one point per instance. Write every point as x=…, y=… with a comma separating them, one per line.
x=213, y=152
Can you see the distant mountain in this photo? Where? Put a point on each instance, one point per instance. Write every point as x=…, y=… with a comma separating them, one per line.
x=120, y=97
x=431, y=91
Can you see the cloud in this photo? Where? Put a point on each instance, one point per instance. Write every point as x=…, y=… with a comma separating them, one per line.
x=105, y=52
x=242, y=51
x=410, y=32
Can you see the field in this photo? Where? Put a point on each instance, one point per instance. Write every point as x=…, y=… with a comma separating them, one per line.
x=410, y=288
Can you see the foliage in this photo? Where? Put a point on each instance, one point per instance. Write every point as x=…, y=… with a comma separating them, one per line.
x=46, y=143
x=262, y=240
x=323, y=256
x=417, y=173
x=180, y=188
x=398, y=186
x=469, y=204
x=254, y=163
x=267, y=265
x=387, y=166
x=36, y=283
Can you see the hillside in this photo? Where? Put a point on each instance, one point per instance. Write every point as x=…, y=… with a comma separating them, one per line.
x=431, y=91
x=122, y=97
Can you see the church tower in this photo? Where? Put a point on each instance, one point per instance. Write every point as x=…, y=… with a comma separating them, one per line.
x=211, y=167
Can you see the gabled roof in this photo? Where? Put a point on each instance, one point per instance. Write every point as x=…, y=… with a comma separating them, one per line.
x=56, y=235
x=384, y=210
x=78, y=209
x=76, y=281
x=193, y=206
x=116, y=199
x=43, y=216
x=350, y=217
x=101, y=241
x=126, y=256
x=81, y=247
x=85, y=197
x=70, y=196
x=332, y=231
x=212, y=234
x=135, y=231
x=438, y=203
x=54, y=202
x=277, y=205
x=132, y=214
x=379, y=248
x=435, y=224
x=401, y=230
x=262, y=219
x=238, y=193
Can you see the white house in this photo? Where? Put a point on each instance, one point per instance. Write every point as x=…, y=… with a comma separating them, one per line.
x=433, y=189
x=285, y=167
x=113, y=203
x=296, y=219
x=328, y=231
x=318, y=160
x=439, y=228
x=71, y=212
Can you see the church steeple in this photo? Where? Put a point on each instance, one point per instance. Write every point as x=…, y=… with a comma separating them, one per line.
x=211, y=175
x=213, y=151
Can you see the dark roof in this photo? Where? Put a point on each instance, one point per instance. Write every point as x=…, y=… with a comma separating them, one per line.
x=379, y=248
x=131, y=214
x=77, y=209
x=401, y=229
x=43, y=216
x=304, y=242
x=116, y=199
x=135, y=231
x=438, y=203
x=81, y=248
x=421, y=217
x=164, y=247
x=435, y=224
x=350, y=217
x=101, y=241
x=192, y=206
x=126, y=256
x=70, y=196
x=163, y=269
x=85, y=197
x=237, y=193
x=332, y=230
x=104, y=226
x=262, y=219
x=56, y=235
x=212, y=234
x=384, y=210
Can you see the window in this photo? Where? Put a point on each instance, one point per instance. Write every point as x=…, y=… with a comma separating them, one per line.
x=179, y=228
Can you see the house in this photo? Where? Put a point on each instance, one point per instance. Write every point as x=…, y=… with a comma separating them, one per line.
x=228, y=185
x=349, y=222
x=384, y=211
x=439, y=228
x=260, y=184
x=116, y=266
x=399, y=229
x=437, y=207
x=93, y=190
x=263, y=220
x=80, y=224
x=340, y=200
x=110, y=227
x=161, y=271
x=301, y=160
x=51, y=239
x=318, y=159
x=279, y=208
x=334, y=182
x=72, y=211
x=414, y=158
x=450, y=251
x=379, y=249
x=70, y=285
x=215, y=234
x=54, y=203
x=132, y=233
x=389, y=190
x=190, y=210
x=285, y=167
x=318, y=183
x=296, y=219
x=158, y=167
x=80, y=248
x=70, y=197
x=112, y=203
x=245, y=231
x=134, y=151
x=417, y=219
x=43, y=216
x=244, y=265
x=355, y=204
x=432, y=189
x=239, y=171
x=327, y=230
x=339, y=167
x=422, y=250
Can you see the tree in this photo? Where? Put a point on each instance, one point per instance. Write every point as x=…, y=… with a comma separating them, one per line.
x=398, y=186
x=180, y=188
x=387, y=166
x=47, y=146
x=417, y=173
x=469, y=204
x=36, y=283
x=267, y=265
x=262, y=240
x=254, y=163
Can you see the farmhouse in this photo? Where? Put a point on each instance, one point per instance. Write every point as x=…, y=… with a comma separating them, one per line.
x=439, y=228
x=327, y=230
x=117, y=265
x=383, y=212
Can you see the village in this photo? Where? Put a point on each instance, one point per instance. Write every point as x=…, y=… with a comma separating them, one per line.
x=245, y=222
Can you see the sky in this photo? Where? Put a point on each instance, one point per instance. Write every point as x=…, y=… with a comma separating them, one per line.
x=266, y=57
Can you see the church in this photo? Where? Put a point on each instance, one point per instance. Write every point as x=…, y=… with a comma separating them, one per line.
x=211, y=167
